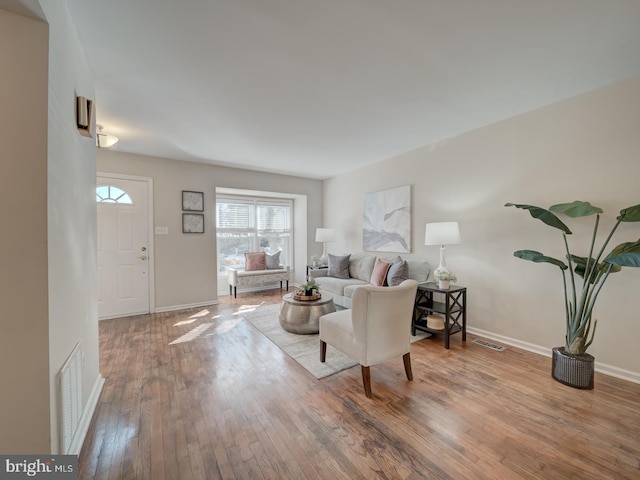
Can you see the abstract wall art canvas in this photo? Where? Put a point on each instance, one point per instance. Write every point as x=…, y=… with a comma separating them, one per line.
x=387, y=221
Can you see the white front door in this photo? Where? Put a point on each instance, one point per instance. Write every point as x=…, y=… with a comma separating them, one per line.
x=123, y=247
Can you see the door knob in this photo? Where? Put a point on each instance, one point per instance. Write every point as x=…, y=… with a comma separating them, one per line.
x=143, y=257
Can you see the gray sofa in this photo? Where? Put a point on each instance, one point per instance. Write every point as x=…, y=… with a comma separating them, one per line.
x=360, y=270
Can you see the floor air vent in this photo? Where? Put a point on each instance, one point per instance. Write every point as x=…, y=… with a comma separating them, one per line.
x=70, y=378
x=492, y=346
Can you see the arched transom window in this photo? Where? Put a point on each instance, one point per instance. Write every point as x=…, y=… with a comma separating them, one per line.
x=112, y=194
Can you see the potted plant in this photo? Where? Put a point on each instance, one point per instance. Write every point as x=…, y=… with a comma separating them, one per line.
x=571, y=364
x=444, y=278
x=309, y=286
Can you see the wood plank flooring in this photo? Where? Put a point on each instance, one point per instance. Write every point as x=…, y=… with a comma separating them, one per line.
x=201, y=394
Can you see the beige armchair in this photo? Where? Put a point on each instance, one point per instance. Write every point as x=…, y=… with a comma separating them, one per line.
x=377, y=328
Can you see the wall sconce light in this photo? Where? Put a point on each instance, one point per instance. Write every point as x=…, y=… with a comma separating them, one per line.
x=84, y=116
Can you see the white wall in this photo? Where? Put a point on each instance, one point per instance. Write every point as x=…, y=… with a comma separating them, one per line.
x=71, y=214
x=48, y=250
x=585, y=148
x=24, y=343
x=185, y=264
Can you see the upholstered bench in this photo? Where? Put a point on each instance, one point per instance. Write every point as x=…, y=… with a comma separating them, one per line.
x=255, y=278
x=260, y=269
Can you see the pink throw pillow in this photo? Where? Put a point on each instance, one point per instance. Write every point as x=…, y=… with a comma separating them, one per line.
x=255, y=261
x=379, y=274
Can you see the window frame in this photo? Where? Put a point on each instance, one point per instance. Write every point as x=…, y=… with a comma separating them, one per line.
x=252, y=231
x=113, y=200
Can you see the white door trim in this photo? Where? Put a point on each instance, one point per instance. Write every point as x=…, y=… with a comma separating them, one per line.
x=152, y=256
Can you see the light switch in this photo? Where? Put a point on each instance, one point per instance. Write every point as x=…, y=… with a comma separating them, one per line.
x=162, y=230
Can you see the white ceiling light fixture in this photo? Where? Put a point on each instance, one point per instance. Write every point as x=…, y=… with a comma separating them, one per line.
x=105, y=140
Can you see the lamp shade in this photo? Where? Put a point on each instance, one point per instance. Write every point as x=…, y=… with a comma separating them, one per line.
x=442, y=233
x=325, y=235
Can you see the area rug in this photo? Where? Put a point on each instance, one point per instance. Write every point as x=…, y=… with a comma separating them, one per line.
x=304, y=349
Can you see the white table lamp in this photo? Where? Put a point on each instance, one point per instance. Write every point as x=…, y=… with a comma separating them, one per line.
x=325, y=235
x=442, y=233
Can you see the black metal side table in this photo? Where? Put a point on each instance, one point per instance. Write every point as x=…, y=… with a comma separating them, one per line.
x=319, y=267
x=454, y=308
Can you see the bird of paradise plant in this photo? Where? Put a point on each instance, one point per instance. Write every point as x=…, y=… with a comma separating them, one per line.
x=580, y=300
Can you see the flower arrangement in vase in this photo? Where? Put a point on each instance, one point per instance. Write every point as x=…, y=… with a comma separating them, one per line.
x=444, y=278
x=309, y=286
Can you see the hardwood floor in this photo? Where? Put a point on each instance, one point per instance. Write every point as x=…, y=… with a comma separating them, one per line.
x=202, y=394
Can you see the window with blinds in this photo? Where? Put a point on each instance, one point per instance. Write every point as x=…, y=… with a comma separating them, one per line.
x=252, y=224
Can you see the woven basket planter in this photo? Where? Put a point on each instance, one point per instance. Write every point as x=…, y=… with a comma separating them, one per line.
x=576, y=371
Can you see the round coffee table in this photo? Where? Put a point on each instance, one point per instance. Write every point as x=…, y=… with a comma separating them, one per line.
x=301, y=317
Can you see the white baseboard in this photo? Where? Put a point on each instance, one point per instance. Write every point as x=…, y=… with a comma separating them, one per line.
x=110, y=317
x=171, y=308
x=184, y=307
x=623, y=374
x=618, y=372
x=530, y=347
x=87, y=415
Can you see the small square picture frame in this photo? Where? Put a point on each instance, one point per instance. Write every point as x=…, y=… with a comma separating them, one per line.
x=192, y=201
x=192, y=223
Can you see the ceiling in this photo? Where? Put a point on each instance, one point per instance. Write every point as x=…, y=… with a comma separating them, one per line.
x=316, y=88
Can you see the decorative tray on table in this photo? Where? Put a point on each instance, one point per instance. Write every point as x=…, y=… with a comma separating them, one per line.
x=299, y=295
